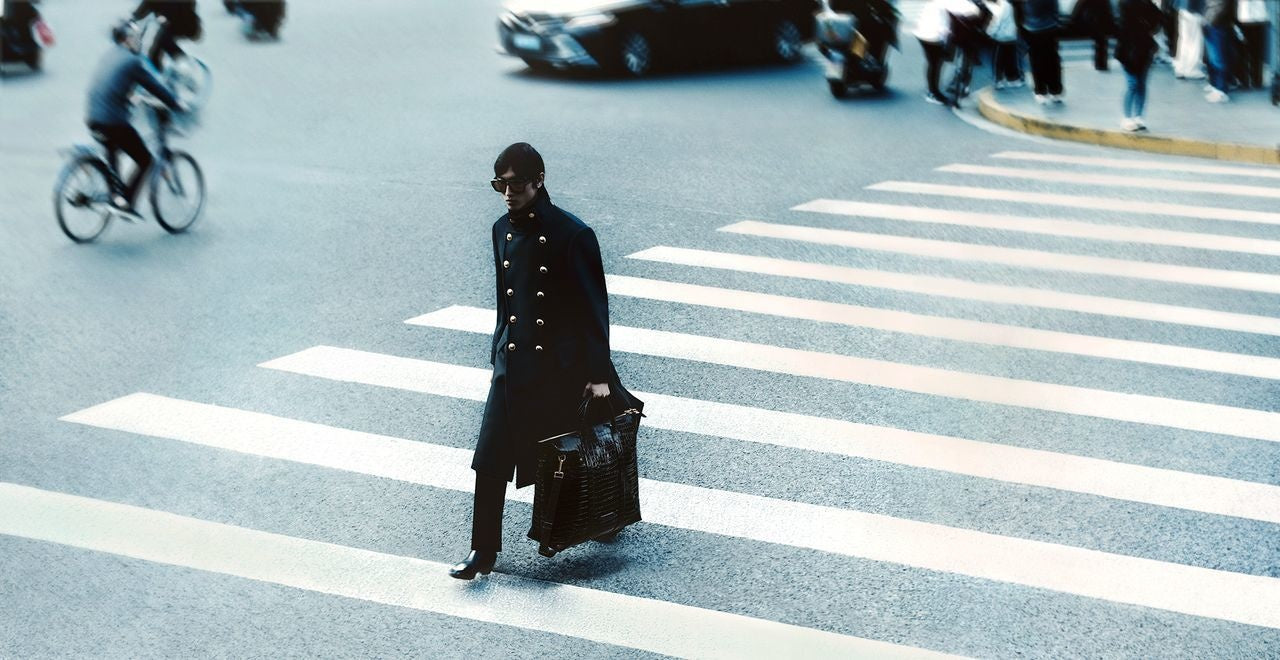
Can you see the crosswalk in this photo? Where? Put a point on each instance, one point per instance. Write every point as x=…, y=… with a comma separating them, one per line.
x=907, y=291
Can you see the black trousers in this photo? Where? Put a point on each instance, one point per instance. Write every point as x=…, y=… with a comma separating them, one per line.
x=1004, y=63
x=486, y=516
x=1252, y=54
x=933, y=55
x=1046, y=63
x=123, y=137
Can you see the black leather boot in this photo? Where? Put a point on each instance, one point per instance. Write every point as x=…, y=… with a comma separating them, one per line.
x=479, y=561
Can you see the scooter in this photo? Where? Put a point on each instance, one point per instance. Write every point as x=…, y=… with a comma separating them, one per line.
x=23, y=34
x=262, y=18
x=855, y=36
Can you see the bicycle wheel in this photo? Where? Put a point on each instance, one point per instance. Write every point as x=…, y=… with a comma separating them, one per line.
x=177, y=192
x=82, y=199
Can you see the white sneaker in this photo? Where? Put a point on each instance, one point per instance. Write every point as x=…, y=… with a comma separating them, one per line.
x=1056, y=98
x=1042, y=99
x=1142, y=125
x=1128, y=124
x=1217, y=96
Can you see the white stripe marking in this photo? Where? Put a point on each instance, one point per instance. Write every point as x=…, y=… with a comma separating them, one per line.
x=1033, y=467
x=1049, y=227
x=1069, y=399
x=1113, y=180
x=1038, y=259
x=562, y=609
x=1081, y=202
x=1125, y=164
x=977, y=332
x=1107, y=576
x=946, y=287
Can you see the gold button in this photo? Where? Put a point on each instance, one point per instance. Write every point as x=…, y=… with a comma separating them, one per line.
x=511, y=292
x=531, y=215
x=538, y=347
x=506, y=264
x=542, y=239
x=541, y=295
x=511, y=346
x=508, y=236
x=512, y=319
x=539, y=322
x=542, y=269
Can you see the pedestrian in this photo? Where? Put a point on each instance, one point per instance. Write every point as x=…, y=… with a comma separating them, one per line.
x=1190, y=40
x=1098, y=22
x=1006, y=65
x=1252, y=16
x=1040, y=25
x=933, y=29
x=550, y=347
x=1135, y=50
x=1169, y=8
x=1220, y=21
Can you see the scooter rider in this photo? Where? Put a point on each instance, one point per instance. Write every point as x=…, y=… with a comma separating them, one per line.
x=118, y=74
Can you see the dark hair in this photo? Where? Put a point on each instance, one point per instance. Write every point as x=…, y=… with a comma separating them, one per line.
x=522, y=159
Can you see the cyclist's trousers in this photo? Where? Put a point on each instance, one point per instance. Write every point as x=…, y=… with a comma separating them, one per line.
x=123, y=137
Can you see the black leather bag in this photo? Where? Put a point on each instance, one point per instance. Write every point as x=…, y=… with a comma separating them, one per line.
x=587, y=484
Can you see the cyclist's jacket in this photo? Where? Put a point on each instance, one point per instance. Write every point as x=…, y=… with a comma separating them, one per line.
x=118, y=72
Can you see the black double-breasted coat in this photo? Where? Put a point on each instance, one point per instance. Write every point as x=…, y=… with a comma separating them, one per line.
x=551, y=338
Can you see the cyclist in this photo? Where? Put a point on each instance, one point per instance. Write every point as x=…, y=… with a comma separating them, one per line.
x=120, y=72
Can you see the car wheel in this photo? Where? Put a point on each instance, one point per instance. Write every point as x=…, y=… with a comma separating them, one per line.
x=787, y=41
x=636, y=55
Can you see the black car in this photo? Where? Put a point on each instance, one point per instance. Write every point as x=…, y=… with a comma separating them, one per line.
x=634, y=36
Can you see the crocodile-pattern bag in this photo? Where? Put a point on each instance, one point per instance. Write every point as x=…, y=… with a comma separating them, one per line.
x=587, y=484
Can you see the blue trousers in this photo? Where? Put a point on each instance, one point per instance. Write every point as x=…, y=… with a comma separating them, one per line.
x=1218, y=48
x=1135, y=96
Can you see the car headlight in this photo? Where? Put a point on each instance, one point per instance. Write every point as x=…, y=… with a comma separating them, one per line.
x=589, y=21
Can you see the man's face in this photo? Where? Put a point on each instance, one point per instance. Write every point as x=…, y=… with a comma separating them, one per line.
x=519, y=192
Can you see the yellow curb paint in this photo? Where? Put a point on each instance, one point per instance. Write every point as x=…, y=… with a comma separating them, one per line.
x=997, y=113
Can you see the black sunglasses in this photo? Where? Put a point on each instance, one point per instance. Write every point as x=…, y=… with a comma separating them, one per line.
x=516, y=185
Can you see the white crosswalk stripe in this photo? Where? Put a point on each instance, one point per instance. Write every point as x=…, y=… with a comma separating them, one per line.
x=1070, y=399
x=1023, y=258
x=509, y=600
x=1080, y=202
x=1114, y=180
x=978, y=332
x=1045, y=226
x=955, y=288
x=957, y=455
x=1118, y=578
x=1139, y=164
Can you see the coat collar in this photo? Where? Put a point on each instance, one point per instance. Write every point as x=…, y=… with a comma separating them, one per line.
x=532, y=216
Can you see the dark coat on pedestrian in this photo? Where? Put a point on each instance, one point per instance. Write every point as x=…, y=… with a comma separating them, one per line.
x=184, y=22
x=1135, y=41
x=550, y=340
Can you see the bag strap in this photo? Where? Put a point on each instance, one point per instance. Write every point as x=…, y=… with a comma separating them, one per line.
x=553, y=501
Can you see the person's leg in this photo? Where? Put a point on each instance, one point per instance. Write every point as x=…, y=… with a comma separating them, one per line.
x=1140, y=94
x=1100, y=43
x=131, y=143
x=1130, y=89
x=1054, y=64
x=933, y=66
x=1213, y=38
x=1256, y=40
x=1035, y=47
x=486, y=521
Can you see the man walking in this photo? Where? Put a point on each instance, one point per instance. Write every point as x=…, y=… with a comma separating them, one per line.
x=550, y=347
x=1040, y=23
x=1220, y=21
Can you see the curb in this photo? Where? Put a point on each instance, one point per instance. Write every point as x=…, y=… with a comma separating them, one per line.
x=993, y=111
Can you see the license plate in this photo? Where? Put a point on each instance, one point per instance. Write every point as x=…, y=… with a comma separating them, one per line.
x=526, y=42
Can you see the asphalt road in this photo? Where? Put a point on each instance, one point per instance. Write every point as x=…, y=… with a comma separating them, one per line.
x=347, y=169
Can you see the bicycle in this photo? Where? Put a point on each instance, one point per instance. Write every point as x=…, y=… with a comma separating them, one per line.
x=86, y=186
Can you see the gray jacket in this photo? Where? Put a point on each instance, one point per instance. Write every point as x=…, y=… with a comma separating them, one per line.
x=119, y=71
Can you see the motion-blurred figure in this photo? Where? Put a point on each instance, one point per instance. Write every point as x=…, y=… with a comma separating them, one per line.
x=23, y=33
x=119, y=73
x=180, y=21
x=1252, y=16
x=1040, y=24
x=1190, y=40
x=1135, y=50
x=261, y=17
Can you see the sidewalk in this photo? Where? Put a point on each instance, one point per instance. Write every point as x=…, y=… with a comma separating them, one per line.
x=1180, y=121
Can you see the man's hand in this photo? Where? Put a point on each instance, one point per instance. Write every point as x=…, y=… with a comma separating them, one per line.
x=596, y=390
